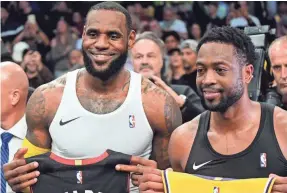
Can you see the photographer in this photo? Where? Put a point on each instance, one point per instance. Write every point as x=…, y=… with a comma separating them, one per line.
x=36, y=71
x=147, y=57
x=278, y=57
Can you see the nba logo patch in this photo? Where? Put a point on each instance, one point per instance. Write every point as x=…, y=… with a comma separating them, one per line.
x=79, y=177
x=216, y=190
x=263, y=160
x=132, y=121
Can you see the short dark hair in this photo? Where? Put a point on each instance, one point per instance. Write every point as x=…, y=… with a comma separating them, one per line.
x=244, y=48
x=170, y=52
x=112, y=6
x=170, y=33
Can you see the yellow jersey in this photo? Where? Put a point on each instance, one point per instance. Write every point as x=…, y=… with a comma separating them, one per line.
x=175, y=182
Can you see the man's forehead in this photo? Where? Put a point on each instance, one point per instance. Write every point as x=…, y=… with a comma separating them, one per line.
x=214, y=48
x=106, y=18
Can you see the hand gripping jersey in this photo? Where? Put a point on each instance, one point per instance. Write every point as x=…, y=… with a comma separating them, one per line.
x=175, y=182
x=93, y=175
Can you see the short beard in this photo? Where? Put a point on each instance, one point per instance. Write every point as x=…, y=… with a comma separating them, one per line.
x=115, y=67
x=227, y=101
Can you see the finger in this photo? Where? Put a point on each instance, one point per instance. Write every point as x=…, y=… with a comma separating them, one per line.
x=135, y=179
x=20, y=153
x=135, y=160
x=21, y=187
x=14, y=164
x=151, y=186
x=20, y=170
x=280, y=188
x=280, y=180
x=129, y=168
x=151, y=178
x=135, y=176
x=24, y=178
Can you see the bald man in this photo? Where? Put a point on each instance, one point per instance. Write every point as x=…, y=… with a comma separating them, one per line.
x=14, y=93
x=278, y=57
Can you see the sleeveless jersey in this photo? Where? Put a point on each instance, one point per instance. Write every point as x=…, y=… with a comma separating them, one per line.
x=261, y=158
x=93, y=175
x=175, y=182
x=79, y=134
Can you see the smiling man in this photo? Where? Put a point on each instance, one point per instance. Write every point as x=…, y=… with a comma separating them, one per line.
x=100, y=107
x=236, y=138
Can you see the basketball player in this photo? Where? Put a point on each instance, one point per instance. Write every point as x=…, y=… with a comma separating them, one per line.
x=237, y=138
x=102, y=106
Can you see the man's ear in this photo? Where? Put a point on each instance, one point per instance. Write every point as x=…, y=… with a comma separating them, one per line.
x=131, y=39
x=248, y=73
x=15, y=97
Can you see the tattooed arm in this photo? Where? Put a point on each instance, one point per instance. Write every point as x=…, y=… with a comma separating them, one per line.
x=41, y=109
x=164, y=116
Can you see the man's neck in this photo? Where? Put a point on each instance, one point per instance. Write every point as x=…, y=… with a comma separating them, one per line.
x=191, y=70
x=234, y=117
x=111, y=85
x=8, y=121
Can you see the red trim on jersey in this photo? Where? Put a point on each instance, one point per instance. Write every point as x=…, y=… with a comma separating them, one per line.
x=84, y=161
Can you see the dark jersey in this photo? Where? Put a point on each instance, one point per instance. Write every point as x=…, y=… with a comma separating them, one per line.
x=95, y=175
x=261, y=158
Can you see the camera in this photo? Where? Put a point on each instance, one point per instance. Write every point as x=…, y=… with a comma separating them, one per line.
x=261, y=37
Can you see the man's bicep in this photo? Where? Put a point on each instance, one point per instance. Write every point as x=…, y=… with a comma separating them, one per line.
x=36, y=112
x=172, y=119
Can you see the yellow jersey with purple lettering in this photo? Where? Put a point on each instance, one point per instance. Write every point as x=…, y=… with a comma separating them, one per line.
x=175, y=182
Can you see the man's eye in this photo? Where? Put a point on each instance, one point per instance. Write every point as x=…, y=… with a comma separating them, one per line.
x=114, y=36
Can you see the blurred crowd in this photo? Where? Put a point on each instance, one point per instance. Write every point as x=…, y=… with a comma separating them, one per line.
x=45, y=37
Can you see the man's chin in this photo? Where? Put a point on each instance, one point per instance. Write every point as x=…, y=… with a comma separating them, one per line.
x=146, y=74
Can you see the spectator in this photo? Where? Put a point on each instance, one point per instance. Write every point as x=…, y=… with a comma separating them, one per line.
x=242, y=18
x=36, y=71
x=281, y=19
x=214, y=20
x=147, y=57
x=61, y=45
x=78, y=24
x=60, y=10
x=278, y=57
x=9, y=28
x=188, y=49
x=14, y=93
x=171, y=40
x=155, y=28
x=195, y=32
x=34, y=37
x=176, y=65
x=76, y=59
x=170, y=23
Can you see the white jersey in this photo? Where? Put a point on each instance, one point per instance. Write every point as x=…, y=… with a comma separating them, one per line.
x=79, y=134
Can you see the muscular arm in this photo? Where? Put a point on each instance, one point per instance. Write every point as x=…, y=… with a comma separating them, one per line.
x=40, y=112
x=164, y=116
x=182, y=139
x=36, y=112
x=280, y=127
